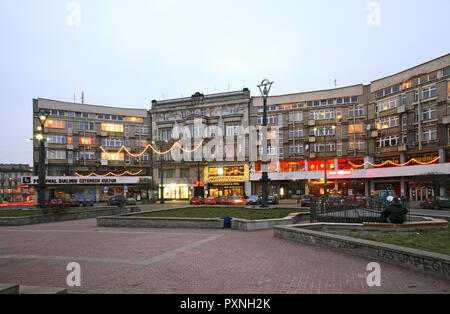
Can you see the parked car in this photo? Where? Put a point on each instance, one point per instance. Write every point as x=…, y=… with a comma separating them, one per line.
x=210, y=201
x=358, y=201
x=273, y=200
x=436, y=203
x=335, y=201
x=306, y=200
x=237, y=200
x=73, y=202
x=223, y=200
x=197, y=200
x=254, y=200
x=57, y=202
x=131, y=201
x=116, y=200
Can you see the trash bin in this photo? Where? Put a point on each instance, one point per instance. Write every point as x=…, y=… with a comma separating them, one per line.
x=227, y=222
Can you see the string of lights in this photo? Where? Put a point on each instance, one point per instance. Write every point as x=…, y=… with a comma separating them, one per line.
x=394, y=164
x=177, y=144
x=93, y=174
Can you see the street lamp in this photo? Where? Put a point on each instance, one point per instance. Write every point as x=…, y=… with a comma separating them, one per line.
x=161, y=144
x=265, y=90
x=42, y=116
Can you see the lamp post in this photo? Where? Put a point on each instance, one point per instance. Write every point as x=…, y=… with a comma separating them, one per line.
x=10, y=190
x=265, y=89
x=161, y=173
x=42, y=116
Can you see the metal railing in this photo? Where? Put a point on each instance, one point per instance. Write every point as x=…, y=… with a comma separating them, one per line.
x=338, y=210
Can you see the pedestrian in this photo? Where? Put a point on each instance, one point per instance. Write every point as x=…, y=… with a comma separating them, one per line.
x=394, y=213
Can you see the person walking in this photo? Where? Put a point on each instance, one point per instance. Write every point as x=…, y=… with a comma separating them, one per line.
x=394, y=213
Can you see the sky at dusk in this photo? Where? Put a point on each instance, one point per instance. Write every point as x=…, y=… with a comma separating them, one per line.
x=126, y=53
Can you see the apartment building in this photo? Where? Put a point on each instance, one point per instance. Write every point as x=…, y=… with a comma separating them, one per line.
x=212, y=124
x=85, y=149
x=391, y=134
x=12, y=187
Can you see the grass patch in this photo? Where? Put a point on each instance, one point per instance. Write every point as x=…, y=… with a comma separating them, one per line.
x=431, y=240
x=220, y=212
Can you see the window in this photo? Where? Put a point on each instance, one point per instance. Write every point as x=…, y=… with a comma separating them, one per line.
x=134, y=119
x=323, y=131
x=404, y=122
x=403, y=101
x=295, y=133
x=296, y=149
x=322, y=115
x=86, y=141
x=387, y=104
x=390, y=141
x=322, y=148
x=55, y=124
x=87, y=126
x=429, y=113
x=110, y=127
x=295, y=116
x=139, y=143
x=184, y=173
x=140, y=130
x=429, y=135
x=361, y=145
x=386, y=123
x=57, y=139
x=356, y=112
x=165, y=135
x=446, y=71
x=355, y=128
x=429, y=92
x=448, y=90
x=56, y=154
x=87, y=156
x=113, y=156
x=233, y=129
x=112, y=142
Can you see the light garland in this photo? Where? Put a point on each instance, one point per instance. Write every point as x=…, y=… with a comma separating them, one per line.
x=394, y=164
x=177, y=144
x=93, y=174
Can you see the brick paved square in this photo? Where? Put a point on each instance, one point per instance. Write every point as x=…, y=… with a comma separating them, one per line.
x=169, y=261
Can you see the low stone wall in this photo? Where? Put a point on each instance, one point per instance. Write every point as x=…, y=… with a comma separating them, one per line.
x=147, y=222
x=253, y=225
x=424, y=262
x=86, y=214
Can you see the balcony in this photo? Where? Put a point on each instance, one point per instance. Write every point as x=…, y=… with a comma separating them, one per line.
x=311, y=122
x=384, y=150
x=446, y=120
x=312, y=139
x=374, y=134
x=402, y=148
x=401, y=109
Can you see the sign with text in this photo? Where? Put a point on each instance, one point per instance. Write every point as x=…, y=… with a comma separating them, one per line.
x=87, y=181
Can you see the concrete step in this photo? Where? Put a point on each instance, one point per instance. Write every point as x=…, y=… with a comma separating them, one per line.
x=41, y=290
x=8, y=288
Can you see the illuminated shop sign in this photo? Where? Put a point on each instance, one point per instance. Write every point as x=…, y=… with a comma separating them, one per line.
x=340, y=173
x=424, y=157
x=84, y=181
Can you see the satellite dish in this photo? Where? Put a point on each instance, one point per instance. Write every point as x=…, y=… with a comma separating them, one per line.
x=369, y=127
x=307, y=147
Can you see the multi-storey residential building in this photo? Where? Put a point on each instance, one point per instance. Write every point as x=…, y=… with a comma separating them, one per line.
x=12, y=188
x=310, y=131
x=219, y=167
x=87, y=143
x=391, y=134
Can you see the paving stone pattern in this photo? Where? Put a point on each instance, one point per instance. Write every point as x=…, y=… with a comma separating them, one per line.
x=189, y=261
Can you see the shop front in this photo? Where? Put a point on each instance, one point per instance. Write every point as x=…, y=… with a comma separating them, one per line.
x=175, y=192
x=98, y=189
x=226, y=180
